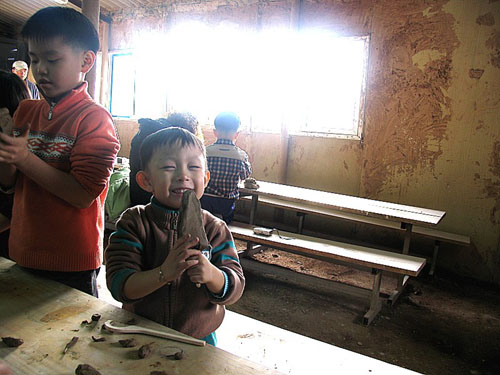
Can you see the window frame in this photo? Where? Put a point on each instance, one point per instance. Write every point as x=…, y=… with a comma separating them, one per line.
x=356, y=134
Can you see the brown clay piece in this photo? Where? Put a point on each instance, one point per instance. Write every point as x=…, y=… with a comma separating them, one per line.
x=145, y=351
x=70, y=344
x=190, y=219
x=96, y=317
x=12, y=341
x=174, y=353
x=98, y=339
x=84, y=369
x=251, y=183
x=128, y=343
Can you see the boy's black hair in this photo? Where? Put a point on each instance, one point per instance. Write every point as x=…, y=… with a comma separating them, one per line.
x=227, y=122
x=183, y=120
x=67, y=23
x=168, y=137
x=13, y=91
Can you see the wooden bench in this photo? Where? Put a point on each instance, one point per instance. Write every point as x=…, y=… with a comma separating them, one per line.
x=303, y=209
x=333, y=251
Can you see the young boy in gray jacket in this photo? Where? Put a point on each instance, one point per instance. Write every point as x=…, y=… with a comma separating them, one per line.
x=153, y=271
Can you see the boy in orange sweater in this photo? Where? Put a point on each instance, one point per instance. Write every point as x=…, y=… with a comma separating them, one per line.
x=60, y=156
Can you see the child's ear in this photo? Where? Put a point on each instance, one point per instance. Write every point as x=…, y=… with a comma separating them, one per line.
x=206, y=178
x=215, y=133
x=143, y=181
x=88, y=61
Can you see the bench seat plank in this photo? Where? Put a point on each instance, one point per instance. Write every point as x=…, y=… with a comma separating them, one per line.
x=360, y=255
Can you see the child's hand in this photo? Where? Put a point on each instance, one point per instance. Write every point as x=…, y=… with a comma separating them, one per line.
x=4, y=370
x=14, y=150
x=180, y=258
x=206, y=273
x=6, y=123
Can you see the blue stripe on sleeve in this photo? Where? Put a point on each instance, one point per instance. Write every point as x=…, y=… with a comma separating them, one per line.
x=113, y=239
x=223, y=246
x=119, y=231
x=126, y=242
x=117, y=281
x=225, y=289
x=223, y=257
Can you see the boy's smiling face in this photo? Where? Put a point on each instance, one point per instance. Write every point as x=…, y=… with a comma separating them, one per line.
x=57, y=66
x=171, y=171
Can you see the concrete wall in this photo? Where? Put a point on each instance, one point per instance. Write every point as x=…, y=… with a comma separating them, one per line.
x=432, y=134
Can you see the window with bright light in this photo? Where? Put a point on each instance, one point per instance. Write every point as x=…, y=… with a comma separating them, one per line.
x=122, y=85
x=311, y=82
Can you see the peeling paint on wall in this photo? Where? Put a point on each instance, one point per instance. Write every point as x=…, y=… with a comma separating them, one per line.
x=412, y=48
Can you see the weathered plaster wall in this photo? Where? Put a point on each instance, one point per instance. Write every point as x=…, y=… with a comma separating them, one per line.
x=432, y=134
x=432, y=120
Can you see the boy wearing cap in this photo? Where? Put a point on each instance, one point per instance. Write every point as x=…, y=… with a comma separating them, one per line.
x=61, y=156
x=20, y=68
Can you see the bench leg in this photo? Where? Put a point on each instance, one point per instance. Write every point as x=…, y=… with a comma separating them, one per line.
x=402, y=279
x=434, y=257
x=253, y=209
x=300, y=226
x=251, y=250
x=375, y=304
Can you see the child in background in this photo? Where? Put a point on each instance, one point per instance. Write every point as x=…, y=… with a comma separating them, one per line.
x=60, y=156
x=12, y=93
x=147, y=126
x=152, y=271
x=228, y=165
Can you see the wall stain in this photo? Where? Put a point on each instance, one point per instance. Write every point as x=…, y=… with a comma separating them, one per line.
x=476, y=73
x=486, y=19
x=493, y=43
x=492, y=187
x=408, y=116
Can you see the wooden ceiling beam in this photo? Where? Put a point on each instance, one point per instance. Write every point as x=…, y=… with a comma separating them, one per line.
x=78, y=3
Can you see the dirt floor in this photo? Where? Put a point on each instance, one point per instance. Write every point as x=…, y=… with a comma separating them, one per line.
x=441, y=325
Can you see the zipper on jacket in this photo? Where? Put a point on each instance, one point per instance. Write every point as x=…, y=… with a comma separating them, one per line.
x=174, y=221
x=52, y=105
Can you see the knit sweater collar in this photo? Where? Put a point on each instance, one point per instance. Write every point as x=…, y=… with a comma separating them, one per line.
x=76, y=95
x=164, y=216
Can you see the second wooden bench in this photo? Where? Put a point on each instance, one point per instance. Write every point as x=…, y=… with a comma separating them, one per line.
x=303, y=209
x=333, y=251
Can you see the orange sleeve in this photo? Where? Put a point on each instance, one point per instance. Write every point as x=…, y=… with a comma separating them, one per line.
x=95, y=151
